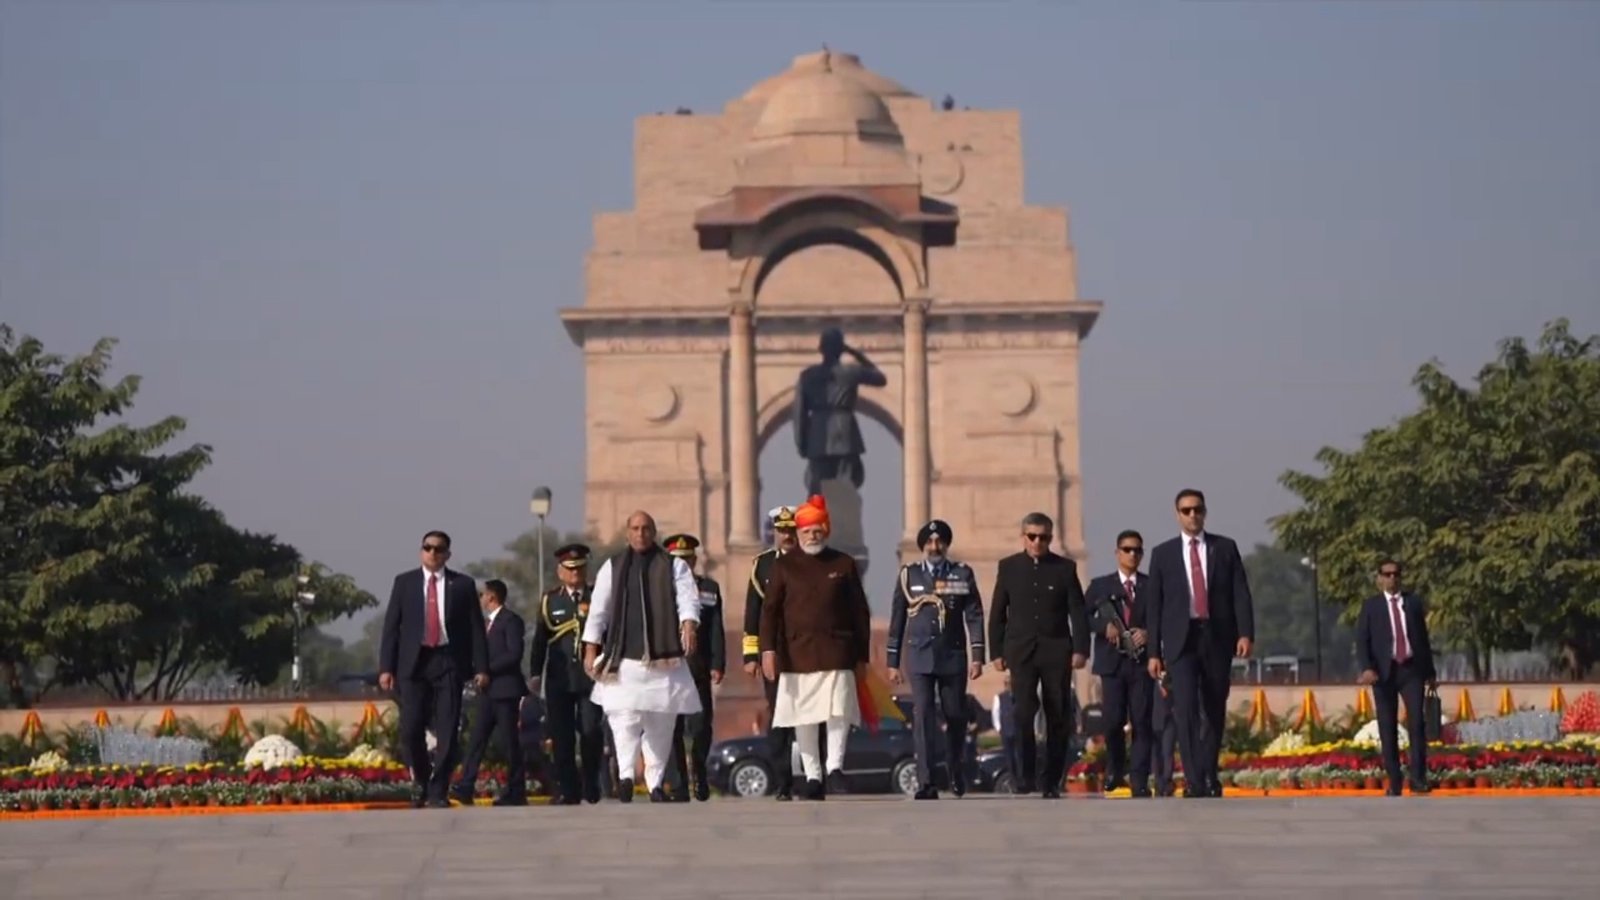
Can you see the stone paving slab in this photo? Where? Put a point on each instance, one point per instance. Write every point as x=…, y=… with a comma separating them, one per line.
x=878, y=848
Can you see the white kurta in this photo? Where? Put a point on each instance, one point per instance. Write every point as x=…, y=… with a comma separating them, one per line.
x=663, y=686
x=812, y=698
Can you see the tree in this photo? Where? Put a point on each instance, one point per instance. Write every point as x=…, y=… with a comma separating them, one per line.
x=115, y=576
x=1281, y=587
x=1490, y=497
x=520, y=566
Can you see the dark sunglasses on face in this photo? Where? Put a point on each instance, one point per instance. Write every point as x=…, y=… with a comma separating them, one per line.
x=434, y=548
x=1035, y=536
x=1136, y=551
x=1192, y=510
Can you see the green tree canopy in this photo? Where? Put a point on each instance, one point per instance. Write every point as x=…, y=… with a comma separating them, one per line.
x=1285, y=624
x=116, y=576
x=521, y=564
x=1489, y=496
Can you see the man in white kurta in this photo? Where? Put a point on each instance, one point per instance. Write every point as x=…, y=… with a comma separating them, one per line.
x=641, y=677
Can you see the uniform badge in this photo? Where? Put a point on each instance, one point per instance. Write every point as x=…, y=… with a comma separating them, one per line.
x=583, y=608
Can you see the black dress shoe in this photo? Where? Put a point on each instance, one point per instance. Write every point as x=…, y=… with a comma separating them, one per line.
x=958, y=785
x=813, y=790
x=1417, y=788
x=565, y=800
x=657, y=795
x=836, y=783
x=625, y=790
x=678, y=797
x=462, y=797
x=1050, y=794
x=591, y=796
x=784, y=794
x=438, y=803
x=702, y=791
x=926, y=793
x=510, y=800
x=1023, y=786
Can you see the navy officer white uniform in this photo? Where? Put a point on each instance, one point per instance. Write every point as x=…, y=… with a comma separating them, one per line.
x=935, y=620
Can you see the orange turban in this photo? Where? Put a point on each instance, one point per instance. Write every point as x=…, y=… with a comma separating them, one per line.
x=814, y=512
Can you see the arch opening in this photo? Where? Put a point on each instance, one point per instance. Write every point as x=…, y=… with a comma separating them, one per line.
x=824, y=237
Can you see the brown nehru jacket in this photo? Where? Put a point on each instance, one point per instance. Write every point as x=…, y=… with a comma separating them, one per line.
x=815, y=616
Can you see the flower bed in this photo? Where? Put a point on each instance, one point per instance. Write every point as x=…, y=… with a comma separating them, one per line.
x=1572, y=763
x=305, y=781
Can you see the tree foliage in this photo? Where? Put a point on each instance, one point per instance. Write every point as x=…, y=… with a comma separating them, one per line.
x=1490, y=497
x=115, y=575
x=521, y=564
x=1285, y=624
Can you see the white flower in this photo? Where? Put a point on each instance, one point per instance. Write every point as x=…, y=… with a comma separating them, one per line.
x=367, y=755
x=271, y=751
x=48, y=761
x=1285, y=744
x=1368, y=736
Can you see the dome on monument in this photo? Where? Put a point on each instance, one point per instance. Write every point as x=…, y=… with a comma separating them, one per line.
x=845, y=64
x=824, y=102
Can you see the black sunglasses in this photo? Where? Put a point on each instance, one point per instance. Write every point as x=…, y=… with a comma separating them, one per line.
x=1192, y=510
x=1392, y=573
x=1036, y=536
x=1139, y=551
x=434, y=548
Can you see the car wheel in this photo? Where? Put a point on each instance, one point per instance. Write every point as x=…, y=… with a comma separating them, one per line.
x=1005, y=784
x=749, y=778
x=904, y=777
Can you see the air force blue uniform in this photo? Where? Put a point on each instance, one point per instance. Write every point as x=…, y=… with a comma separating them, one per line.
x=936, y=620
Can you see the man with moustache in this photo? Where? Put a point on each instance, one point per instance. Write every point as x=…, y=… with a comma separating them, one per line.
x=496, y=706
x=432, y=641
x=1200, y=616
x=780, y=741
x=935, y=617
x=575, y=722
x=1126, y=688
x=1038, y=631
x=815, y=635
x=644, y=619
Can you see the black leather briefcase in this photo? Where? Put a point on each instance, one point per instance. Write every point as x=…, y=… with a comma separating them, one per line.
x=1432, y=714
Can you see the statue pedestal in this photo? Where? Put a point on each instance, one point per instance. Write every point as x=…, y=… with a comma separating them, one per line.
x=844, y=513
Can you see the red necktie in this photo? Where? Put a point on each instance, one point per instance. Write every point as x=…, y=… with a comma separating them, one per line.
x=1396, y=622
x=430, y=630
x=1127, y=601
x=1202, y=606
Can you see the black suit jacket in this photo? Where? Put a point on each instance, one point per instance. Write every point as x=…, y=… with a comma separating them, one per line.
x=403, y=625
x=1037, y=611
x=1375, y=636
x=1107, y=659
x=505, y=639
x=1227, y=596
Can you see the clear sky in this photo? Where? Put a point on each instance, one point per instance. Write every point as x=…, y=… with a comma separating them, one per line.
x=335, y=235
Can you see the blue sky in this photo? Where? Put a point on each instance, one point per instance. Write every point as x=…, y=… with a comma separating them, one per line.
x=279, y=207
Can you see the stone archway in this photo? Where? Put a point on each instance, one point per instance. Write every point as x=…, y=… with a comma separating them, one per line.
x=686, y=361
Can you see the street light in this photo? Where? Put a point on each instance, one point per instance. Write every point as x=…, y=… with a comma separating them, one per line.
x=540, y=506
x=1310, y=562
x=304, y=598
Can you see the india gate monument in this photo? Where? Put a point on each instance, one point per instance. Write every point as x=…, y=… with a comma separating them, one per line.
x=830, y=246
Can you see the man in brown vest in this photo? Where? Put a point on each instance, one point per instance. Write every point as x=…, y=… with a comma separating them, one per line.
x=815, y=634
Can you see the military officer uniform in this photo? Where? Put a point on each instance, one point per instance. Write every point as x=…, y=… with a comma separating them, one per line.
x=574, y=721
x=780, y=749
x=710, y=656
x=935, y=620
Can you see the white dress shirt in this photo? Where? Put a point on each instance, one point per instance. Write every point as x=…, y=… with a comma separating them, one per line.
x=1388, y=610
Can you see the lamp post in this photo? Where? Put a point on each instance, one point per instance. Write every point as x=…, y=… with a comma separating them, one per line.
x=1310, y=562
x=540, y=506
x=305, y=597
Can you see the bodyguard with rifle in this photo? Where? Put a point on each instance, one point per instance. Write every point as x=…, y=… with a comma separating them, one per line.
x=1127, y=690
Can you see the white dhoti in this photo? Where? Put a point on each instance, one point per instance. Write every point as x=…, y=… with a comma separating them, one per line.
x=818, y=698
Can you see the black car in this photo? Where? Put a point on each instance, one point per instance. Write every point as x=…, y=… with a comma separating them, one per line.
x=884, y=762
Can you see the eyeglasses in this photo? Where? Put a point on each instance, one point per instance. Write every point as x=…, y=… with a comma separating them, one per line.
x=1137, y=551
x=1192, y=510
x=1037, y=536
x=434, y=548
x=1391, y=573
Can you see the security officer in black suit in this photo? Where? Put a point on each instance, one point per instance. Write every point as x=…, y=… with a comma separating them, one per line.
x=936, y=616
x=573, y=719
x=780, y=750
x=706, y=664
x=496, y=706
x=1127, y=691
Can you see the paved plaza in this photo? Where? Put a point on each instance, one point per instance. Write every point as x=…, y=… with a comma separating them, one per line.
x=882, y=849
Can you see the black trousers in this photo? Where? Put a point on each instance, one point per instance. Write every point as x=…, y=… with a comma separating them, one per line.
x=1202, y=675
x=698, y=728
x=488, y=716
x=430, y=699
x=780, y=743
x=935, y=699
x=1406, y=682
x=1050, y=683
x=1126, y=696
x=575, y=723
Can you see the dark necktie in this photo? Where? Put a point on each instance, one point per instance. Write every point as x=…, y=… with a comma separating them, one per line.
x=430, y=631
x=1197, y=574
